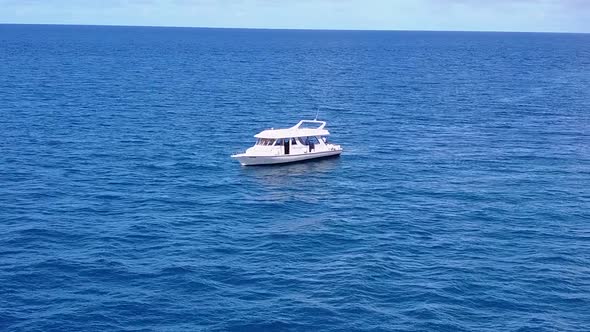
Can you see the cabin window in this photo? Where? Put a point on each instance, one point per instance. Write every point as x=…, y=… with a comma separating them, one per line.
x=293, y=141
x=265, y=141
x=280, y=141
x=311, y=139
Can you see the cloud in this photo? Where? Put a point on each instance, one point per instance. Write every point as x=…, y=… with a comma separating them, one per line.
x=503, y=15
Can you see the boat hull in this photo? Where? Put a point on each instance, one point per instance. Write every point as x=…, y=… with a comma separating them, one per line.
x=247, y=160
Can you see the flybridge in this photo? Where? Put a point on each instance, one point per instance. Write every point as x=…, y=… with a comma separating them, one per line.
x=298, y=143
x=298, y=130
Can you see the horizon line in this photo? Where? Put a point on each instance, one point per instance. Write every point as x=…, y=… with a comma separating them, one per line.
x=288, y=29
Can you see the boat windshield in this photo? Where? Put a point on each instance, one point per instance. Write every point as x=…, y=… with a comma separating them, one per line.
x=265, y=141
x=311, y=139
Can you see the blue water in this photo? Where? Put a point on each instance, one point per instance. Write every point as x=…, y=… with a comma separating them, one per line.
x=461, y=202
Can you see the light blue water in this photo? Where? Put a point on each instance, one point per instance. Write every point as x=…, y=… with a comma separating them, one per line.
x=461, y=201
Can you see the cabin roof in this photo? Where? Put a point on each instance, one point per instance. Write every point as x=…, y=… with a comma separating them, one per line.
x=288, y=133
x=295, y=131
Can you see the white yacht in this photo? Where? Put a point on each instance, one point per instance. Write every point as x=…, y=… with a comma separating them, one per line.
x=298, y=143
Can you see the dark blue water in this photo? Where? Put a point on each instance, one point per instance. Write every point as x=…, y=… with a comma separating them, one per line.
x=461, y=202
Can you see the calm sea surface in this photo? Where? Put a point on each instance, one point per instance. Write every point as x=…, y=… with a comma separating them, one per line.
x=461, y=202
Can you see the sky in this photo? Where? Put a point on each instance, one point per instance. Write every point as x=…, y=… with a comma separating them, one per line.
x=463, y=15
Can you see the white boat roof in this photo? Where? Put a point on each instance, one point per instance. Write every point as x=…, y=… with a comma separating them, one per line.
x=295, y=131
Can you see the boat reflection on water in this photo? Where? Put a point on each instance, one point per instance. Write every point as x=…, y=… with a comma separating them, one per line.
x=286, y=174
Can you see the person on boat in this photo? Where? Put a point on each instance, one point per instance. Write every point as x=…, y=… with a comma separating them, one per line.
x=311, y=144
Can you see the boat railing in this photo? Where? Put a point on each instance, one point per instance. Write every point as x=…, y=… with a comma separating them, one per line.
x=303, y=122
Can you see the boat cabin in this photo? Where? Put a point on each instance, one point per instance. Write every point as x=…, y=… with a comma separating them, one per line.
x=298, y=139
x=293, y=144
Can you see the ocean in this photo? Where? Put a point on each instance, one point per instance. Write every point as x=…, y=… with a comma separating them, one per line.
x=461, y=201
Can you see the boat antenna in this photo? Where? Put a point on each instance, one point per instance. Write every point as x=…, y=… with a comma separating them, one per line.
x=317, y=112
